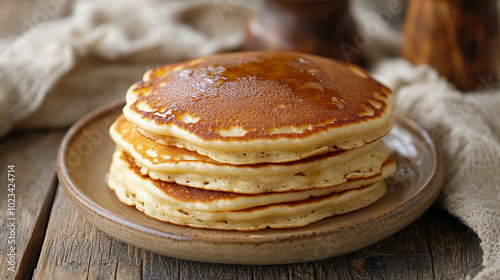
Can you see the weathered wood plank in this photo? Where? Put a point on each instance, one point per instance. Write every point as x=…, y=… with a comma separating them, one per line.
x=436, y=246
x=456, y=251
x=75, y=249
x=33, y=157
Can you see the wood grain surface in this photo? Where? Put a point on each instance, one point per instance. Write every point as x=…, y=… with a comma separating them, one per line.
x=54, y=241
x=436, y=246
x=460, y=39
x=32, y=157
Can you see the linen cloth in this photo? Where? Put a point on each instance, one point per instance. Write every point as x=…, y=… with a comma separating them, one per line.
x=58, y=71
x=466, y=128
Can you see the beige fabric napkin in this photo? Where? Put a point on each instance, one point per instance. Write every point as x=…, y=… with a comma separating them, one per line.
x=466, y=126
x=58, y=71
x=467, y=130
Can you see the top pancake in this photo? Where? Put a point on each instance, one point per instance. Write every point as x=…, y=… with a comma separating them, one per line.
x=252, y=107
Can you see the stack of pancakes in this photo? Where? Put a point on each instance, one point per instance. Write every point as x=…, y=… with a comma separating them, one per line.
x=245, y=141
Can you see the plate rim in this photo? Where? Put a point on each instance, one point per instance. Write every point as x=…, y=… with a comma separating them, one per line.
x=91, y=207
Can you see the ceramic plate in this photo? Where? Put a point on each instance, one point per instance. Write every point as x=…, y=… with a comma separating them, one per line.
x=85, y=155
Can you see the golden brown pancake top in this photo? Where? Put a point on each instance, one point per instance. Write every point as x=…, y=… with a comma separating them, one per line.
x=260, y=92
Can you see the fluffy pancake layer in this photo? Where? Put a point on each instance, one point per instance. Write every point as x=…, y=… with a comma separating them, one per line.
x=247, y=108
x=183, y=205
x=246, y=141
x=172, y=164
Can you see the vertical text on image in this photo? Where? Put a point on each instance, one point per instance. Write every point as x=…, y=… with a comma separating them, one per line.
x=11, y=219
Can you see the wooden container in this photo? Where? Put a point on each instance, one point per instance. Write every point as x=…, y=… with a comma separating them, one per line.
x=310, y=26
x=459, y=38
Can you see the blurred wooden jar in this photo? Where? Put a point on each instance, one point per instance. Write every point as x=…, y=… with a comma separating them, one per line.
x=459, y=38
x=310, y=26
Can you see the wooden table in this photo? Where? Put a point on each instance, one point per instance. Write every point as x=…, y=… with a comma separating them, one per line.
x=54, y=241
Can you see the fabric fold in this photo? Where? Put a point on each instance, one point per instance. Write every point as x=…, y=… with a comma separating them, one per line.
x=465, y=126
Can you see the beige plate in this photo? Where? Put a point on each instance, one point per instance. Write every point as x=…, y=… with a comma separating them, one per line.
x=84, y=158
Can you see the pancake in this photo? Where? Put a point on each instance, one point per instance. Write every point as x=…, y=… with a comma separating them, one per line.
x=123, y=169
x=252, y=140
x=182, y=205
x=255, y=107
x=172, y=164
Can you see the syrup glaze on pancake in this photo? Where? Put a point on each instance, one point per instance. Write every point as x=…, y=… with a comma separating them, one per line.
x=257, y=95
